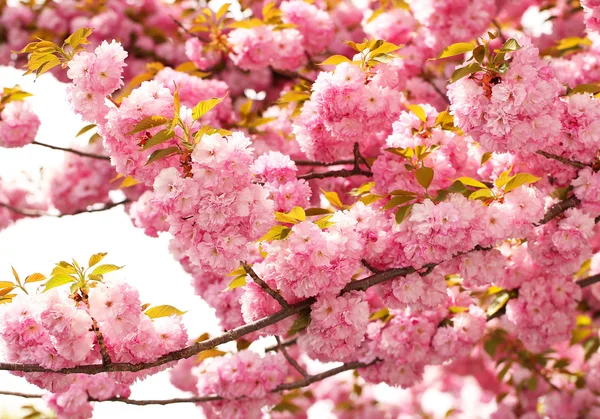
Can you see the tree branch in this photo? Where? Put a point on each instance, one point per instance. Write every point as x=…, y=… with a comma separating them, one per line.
x=72, y=150
x=337, y=173
x=291, y=360
x=266, y=288
x=33, y=214
x=558, y=209
x=563, y=160
x=234, y=334
x=320, y=163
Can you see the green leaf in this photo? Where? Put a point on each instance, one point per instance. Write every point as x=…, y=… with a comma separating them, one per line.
x=317, y=211
x=36, y=277
x=335, y=60
x=511, y=45
x=161, y=154
x=481, y=194
x=104, y=269
x=518, y=180
x=364, y=188
x=85, y=129
x=424, y=176
x=591, y=88
x=78, y=37
x=163, y=311
x=467, y=181
x=419, y=111
x=498, y=303
x=457, y=187
x=58, y=280
x=96, y=258
x=277, y=232
x=293, y=96
x=384, y=49
x=176, y=100
x=285, y=406
x=398, y=200
x=403, y=192
x=333, y=199
x=237, y=282
x=486, y=157
x=479, y=53
x=159, y=138
x=324, y=222
x=300, y=323
x=457, y=49
x=149, y=122
x=591, y=346
x=403, y=213
x=370, y=198
x=461, y=72
x=203, y=107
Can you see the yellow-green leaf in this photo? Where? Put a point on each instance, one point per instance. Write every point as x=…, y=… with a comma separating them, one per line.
x=486, y=157
x=277, y=232
x=424, y=176
x=499, y=302
x=368, y=199
x=457, y=309
x=364, y=188
x=296, y=214
x=335, y=60
x=161, y=154
x=16, y=275
x=384, y=48
x=317, y=211
x=203, y=107
x=127, y=182
x=403, y=213
x=419, y=111
x=85, y=129
x=381, y=314
x=461, y=72
x=35, y=277
x=163, y=311
x=6, y=284
x=511, y=45
x=398, y=200
x=96, y=258
x=209, y=353
x=159, y=138
x=324, y=222
x=58, y=280
x=4, y=291
x=481, y=194
x=78, y=37
x=149, y=122
x=237, y=282
x=518, y=180
x=457, y=49
x=333, y=198
x=467, y=181
x=104, y=269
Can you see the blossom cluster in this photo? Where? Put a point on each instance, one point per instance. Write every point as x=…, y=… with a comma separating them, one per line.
x=18, y=124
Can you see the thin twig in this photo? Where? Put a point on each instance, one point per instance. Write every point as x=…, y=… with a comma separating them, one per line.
x=337, y=173
x=291, y=75
x=291, y=360
x=34, y=214
x=290, y=342
x=266, y=288
x=369, y=266
x=436, y=88
x=246, y=329
x=72, y=150
x=321, y=163
x=564, y=160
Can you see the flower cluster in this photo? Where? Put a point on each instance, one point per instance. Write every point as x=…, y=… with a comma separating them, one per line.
x=214, y=214
x=345, y=108
x=519, y=111
x=94, y=76
x=18, y=124
x=55, y=331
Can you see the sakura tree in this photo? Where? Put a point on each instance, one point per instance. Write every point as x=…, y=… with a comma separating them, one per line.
x=408, y=191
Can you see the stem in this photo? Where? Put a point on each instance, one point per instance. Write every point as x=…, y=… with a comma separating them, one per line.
x=564, y=160
x=71, y=150
x=34, y=214
x=284, y=304
x=320, y=163
x=291, y=360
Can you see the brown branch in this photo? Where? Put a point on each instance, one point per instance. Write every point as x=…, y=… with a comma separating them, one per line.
x=234, y=334
x=435, y=87
x=590, y=280
x=72, y=150
x=320, y=163
x=33, y=213
x=337, y=173
x=266, y=288
x=290, y=342
x=291, y=75
x=558, y=209
x=369, y=266
x=563, y=160
x=291, y=360
x=23, y=395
